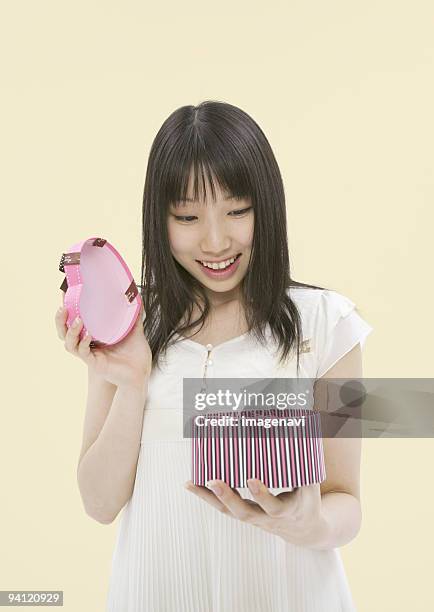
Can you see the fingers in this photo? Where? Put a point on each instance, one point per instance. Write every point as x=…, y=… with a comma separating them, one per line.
x=310, y=496
x=139, y=321
x=80, y=348
x=72, y=335
x=60, y=321
x=207, y=495
x=138, y=326
x=235, y=503
x=83, y=347
x=270, y=503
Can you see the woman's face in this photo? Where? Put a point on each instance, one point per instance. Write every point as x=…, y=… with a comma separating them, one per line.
x=216, y=232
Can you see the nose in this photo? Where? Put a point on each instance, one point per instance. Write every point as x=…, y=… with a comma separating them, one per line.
x=215, y=240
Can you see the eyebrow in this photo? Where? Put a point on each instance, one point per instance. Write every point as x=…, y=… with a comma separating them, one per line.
x=229, y=197
x=186, y=200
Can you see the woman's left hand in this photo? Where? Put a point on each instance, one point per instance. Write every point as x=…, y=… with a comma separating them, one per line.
x=296, y=516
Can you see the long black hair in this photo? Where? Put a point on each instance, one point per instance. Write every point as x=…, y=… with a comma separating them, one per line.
x=217, y=142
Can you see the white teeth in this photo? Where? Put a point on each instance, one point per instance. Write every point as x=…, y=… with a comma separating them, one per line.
x=218, y=266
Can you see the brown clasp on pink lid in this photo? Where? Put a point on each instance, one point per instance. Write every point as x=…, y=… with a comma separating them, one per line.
x=99, y=242
x=132, y=291
x=69, y=259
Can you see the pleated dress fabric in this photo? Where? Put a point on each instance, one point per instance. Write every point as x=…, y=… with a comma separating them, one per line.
x=174, y=552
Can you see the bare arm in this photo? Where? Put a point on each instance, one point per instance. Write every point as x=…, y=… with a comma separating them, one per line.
x=107, y=466
x=118, y=378
x=340, y=492
x=100, y=396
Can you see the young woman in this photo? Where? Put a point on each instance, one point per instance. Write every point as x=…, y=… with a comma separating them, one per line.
x=218, y=301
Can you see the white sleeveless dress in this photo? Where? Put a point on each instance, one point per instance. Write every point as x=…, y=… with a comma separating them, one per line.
x=176, y=553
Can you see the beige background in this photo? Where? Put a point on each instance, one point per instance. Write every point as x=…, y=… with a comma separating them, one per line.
x=343, y=90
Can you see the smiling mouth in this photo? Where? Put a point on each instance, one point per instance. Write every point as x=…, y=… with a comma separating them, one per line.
x=218, y=263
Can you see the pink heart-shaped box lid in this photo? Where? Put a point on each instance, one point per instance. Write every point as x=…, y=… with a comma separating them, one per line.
x=100, y=289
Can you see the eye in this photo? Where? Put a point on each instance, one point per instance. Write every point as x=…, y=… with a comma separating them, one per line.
x=184, y=219
x=238, y=213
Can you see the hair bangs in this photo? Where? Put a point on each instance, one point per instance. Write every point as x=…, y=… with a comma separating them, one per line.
x=207, y=160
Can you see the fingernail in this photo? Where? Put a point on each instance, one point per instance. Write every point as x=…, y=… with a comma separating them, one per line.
x=216, y=488
x=253, y=486
x=77, y=322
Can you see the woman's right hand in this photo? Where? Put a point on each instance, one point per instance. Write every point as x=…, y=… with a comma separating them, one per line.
x=127, y=363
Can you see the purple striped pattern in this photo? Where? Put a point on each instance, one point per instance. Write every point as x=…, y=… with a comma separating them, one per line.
x=281, y=456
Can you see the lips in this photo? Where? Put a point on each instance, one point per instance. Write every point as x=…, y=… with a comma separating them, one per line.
x=218, y=262
x=221, y=273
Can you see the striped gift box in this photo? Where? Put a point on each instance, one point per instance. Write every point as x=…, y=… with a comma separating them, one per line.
x=280, y=455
